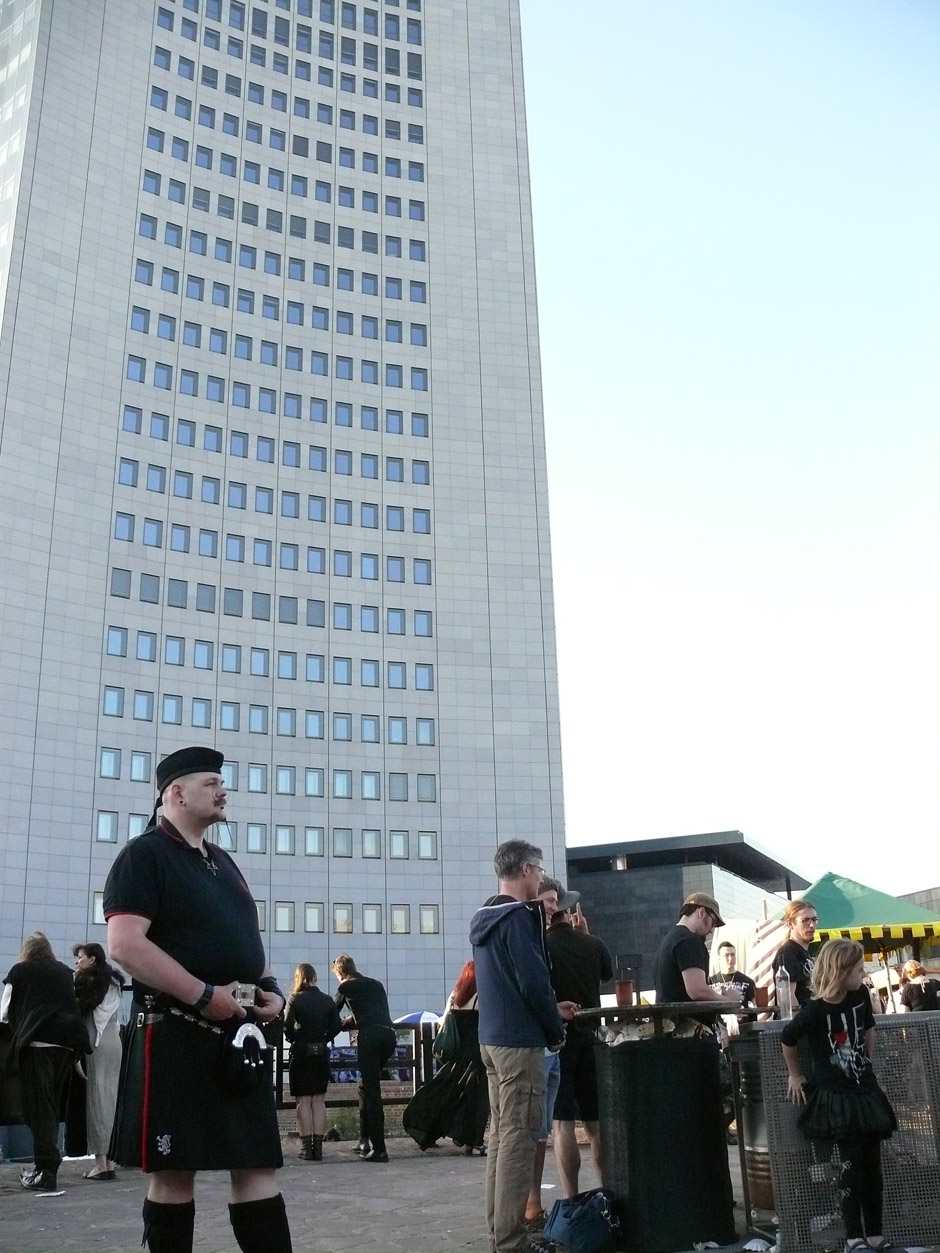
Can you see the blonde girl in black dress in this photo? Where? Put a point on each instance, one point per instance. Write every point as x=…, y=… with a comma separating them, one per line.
x=842, y=1101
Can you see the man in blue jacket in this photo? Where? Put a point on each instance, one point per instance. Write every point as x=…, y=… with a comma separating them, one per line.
x=519, y=1019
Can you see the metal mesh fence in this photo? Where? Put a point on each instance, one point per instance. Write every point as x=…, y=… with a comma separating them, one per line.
x=804, y=1174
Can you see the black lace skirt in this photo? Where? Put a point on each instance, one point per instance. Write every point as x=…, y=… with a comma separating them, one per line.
x=839, y=1114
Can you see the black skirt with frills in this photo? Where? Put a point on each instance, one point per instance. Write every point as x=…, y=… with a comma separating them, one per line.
x=841, y=1113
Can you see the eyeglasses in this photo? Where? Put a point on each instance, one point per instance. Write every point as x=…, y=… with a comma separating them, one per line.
x=804, y=921
x=534, y=865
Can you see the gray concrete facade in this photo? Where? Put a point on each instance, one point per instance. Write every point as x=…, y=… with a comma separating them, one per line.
x=272, y=467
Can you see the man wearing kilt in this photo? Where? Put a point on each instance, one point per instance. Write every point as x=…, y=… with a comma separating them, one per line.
x=182, y=922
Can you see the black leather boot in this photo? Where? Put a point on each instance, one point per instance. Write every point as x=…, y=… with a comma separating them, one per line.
x=169, y=1228
x=306, y=1153
x=316, y=1147
x=261, y=1226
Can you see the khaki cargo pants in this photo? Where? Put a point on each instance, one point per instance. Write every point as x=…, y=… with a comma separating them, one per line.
x=516, y=1079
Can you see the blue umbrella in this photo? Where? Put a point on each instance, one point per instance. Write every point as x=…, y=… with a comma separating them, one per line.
x=420, y=1015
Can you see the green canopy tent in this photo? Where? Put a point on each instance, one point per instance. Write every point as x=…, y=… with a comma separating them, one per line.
x=849, y=910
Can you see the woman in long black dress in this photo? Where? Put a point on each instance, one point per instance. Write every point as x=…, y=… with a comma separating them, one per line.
x=455, y=1103
x=312, y=1020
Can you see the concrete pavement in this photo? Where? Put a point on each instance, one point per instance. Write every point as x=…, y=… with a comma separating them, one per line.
x=418, y=1203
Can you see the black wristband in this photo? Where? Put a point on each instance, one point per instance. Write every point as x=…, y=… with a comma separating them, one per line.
x=204, y=999
x=269, y=984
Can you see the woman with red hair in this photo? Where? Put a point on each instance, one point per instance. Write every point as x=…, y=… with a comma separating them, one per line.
x=455, y=1103
x=465, y=989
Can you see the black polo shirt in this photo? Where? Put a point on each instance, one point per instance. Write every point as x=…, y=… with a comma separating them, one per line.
x=204, y=919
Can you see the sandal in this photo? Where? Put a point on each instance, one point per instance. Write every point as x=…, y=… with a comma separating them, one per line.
x=100, y=1176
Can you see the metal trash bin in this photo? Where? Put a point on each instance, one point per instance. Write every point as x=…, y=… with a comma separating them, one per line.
x=752, y=1120
x=663, y=1147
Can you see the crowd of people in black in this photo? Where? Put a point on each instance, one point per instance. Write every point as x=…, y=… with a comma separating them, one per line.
x=195, y=1068
x=513, y=1055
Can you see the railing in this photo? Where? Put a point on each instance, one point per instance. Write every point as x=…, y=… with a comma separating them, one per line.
x=413, y=1058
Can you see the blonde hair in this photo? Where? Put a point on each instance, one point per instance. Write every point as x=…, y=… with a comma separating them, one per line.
x=913, y=968
x=793, y=910
x=836, y=958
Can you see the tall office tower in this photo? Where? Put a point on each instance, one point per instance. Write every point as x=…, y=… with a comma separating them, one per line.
x=272, y=470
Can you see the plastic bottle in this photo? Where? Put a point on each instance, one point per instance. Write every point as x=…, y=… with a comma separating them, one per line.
x=783, y=993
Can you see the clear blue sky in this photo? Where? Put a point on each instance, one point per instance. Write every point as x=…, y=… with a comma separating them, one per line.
x=737, y=224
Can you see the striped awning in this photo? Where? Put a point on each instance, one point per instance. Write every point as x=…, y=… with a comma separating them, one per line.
x=881, y=936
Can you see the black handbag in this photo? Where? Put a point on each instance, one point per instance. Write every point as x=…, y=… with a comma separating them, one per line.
x=446, y=1044
x=585, y=1223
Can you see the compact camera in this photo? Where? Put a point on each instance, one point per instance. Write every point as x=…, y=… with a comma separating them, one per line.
x=245, y=994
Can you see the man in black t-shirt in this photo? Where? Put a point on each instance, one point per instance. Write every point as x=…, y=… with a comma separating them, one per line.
x=580, y=964
x=375, y=1043
x=729, y=981
x=680, y=974
x=728, y=975
x=680, y=969
x=183, y=923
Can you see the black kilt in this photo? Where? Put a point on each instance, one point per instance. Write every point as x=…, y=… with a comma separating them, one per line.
x=309, y=1074
x=185, y=1117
